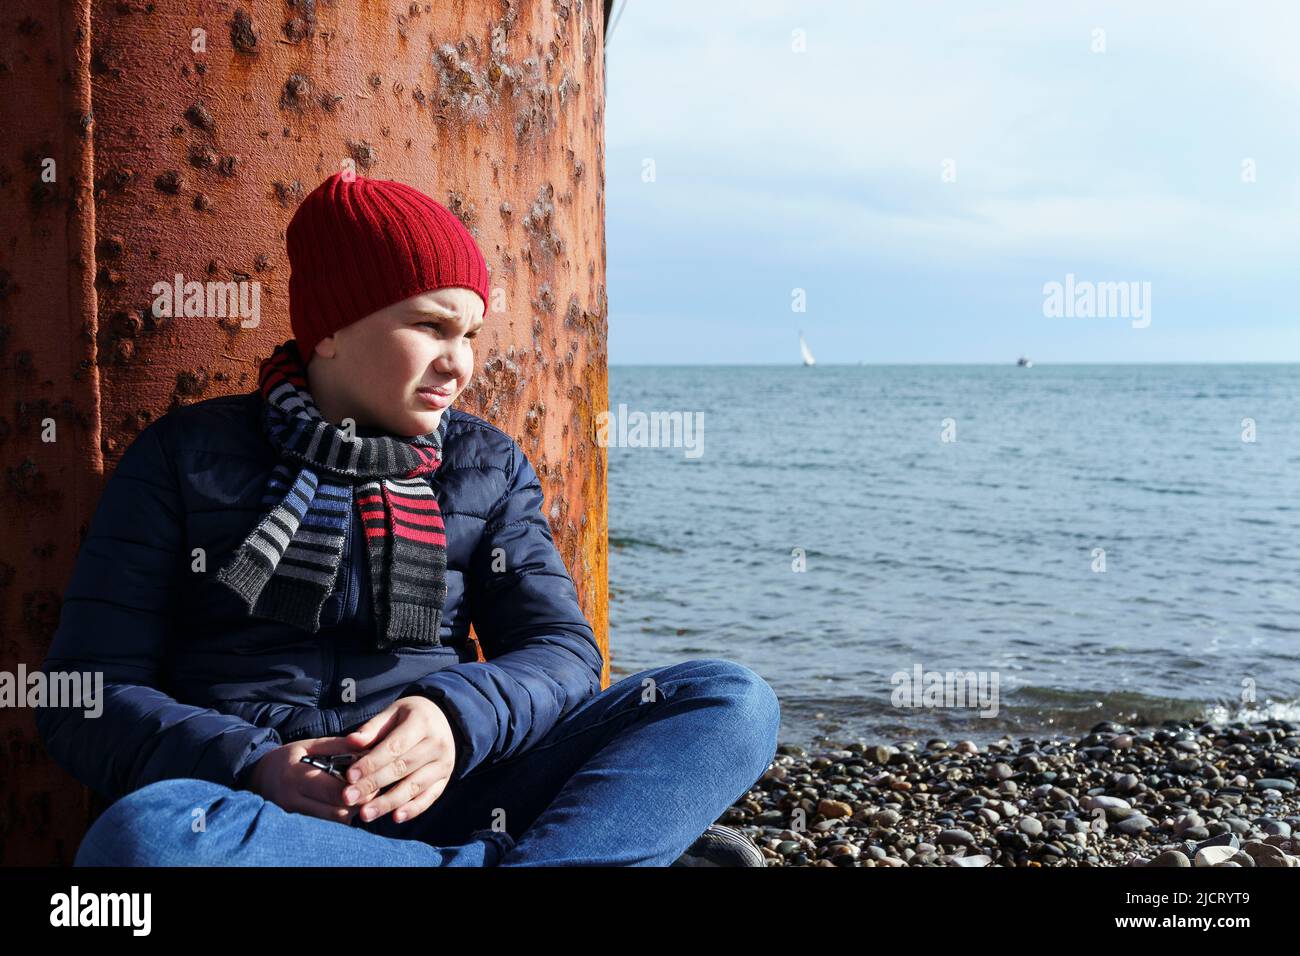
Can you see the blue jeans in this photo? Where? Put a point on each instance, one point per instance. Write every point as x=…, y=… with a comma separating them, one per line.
x=630, y=777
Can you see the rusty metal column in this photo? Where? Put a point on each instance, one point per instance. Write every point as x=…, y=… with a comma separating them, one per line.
x=149, y=139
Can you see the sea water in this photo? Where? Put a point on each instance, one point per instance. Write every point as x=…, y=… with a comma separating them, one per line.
x=1092, y=542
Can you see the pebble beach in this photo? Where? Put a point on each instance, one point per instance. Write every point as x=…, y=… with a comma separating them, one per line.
x=1182, y=794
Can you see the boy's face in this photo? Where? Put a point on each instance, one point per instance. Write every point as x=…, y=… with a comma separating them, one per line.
x=379, y=370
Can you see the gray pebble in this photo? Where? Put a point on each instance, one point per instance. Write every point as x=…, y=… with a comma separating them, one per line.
x=1131, y=826
x=955, y=837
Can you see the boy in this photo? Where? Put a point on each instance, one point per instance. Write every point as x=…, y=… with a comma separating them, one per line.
x=277, y=582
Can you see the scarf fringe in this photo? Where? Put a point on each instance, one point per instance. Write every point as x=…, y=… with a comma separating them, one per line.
x=413, y=624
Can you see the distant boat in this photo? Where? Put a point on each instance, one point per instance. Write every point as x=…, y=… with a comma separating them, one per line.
x=1025, y=363
x=807, y=355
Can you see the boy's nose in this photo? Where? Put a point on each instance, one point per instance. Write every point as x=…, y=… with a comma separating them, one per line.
x=451, y=364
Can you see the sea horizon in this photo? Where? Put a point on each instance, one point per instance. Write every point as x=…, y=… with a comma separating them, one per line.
x=989, y=364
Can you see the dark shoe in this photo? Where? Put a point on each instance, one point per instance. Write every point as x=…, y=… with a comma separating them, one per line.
x=721, y=846
x=499, y=844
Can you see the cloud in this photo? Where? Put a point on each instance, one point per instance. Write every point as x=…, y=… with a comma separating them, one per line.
x=1124, y=164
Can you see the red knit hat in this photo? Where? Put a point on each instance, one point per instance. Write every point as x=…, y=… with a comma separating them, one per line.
x=357, y=246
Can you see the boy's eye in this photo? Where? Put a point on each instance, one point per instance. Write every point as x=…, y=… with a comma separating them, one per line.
x=438, y=325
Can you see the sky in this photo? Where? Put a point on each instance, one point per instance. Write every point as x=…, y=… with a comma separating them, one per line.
x=922, y=171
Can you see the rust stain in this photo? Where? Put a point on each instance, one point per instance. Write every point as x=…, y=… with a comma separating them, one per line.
x=171, y=161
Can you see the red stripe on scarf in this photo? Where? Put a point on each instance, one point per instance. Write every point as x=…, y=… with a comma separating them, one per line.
x=431, y=518
x=278, y=368
x=429, y=537
x=414, y=502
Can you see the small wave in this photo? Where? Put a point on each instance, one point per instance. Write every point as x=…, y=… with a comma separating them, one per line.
x=622, y=541
x=1027, y=711
x=1288, y=710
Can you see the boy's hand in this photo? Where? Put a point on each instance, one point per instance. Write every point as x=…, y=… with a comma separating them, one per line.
x=410, y=746
x=286, y=781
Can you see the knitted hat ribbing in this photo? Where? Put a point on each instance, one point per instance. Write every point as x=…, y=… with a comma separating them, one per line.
x=358, y=246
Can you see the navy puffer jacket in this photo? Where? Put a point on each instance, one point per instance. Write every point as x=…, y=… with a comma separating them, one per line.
x=196, y=687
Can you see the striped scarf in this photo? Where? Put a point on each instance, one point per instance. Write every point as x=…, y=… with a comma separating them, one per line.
x=286, y=567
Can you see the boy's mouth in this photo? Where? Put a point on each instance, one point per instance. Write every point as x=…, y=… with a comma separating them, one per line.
x=435, y=397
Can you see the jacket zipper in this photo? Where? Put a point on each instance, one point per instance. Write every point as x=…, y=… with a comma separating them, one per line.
x=353, y=594
x=347, y=558
x=332, y=658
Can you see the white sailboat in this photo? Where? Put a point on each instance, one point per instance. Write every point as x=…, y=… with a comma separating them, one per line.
x=807, y=355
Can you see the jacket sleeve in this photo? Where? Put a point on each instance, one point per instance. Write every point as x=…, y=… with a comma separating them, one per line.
x=543, y=659
x=117, y=620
